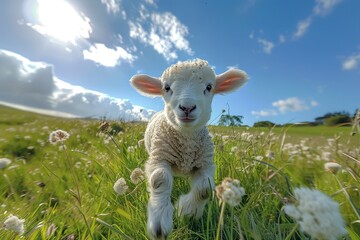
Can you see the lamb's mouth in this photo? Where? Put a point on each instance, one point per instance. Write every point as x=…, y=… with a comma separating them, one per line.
x=186, y=119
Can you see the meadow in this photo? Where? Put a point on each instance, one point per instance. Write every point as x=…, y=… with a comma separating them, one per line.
x=66, y=190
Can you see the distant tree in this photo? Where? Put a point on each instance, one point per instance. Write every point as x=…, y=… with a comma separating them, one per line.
x=230, y=120
x=337, y=120
x=322, y=119
x=264, y=124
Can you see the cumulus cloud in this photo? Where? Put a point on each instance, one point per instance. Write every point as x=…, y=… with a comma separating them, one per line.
x=267, y=45
x=163, y=31
x=351, y=63
x=292, y=104
x=108, y=57
x=32, y=84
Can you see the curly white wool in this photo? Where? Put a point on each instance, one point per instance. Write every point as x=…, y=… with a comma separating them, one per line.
x=317, y=214
x=177, y=139
x=120, y=186
x=13, y=223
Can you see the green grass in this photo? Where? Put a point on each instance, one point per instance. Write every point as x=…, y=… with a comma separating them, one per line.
x=72, y=189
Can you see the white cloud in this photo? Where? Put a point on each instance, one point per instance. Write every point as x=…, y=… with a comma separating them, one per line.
x=314, y=103
x=324, y=7
x=108, y=57
x=264, y=113
x=321, y=8
x=163, y=31
x=302, y=27
x=282, y=38
x=292, y=104
x=113, y=6
x=32, y=84
x=267, y=45
x=351, y=63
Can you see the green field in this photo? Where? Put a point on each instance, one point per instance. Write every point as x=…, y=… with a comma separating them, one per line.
x=66, y=191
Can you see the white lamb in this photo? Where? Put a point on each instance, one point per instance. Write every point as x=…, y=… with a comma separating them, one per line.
x=177, y=139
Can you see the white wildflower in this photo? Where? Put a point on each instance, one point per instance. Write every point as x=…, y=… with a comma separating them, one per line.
x=270, y=155
x=317, y=214
x=225, y=138
x=131, y=149
x=259, y=158
x=120, y=186
x=4, y=162
x=137, y=175
x=13, y=223
x=230, y=191
x=58, y=136
x=234, y=149
x=332, y=167
x=327, y=156
x=331, y=142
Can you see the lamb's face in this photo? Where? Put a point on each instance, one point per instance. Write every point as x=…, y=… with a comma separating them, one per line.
x=188, y=94
x=188, y=89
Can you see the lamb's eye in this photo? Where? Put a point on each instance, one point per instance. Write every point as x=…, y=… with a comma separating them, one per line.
x=209, y=87
x=167, y=88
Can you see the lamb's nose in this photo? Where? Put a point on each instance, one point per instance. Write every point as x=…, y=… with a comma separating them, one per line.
x=187, y=110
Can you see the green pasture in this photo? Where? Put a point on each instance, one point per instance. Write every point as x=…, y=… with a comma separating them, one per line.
x=66, y=191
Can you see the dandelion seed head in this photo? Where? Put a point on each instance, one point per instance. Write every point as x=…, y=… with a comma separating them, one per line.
x=230, y=191
x=120, y=186
x=137, y=175
x=13, y=223
x=317, y=214
x=58, y=136
x=332, y=167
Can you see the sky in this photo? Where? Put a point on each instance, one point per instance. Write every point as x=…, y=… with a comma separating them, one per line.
x=75, y=57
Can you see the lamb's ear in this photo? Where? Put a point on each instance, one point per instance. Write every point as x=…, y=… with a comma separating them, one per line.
x=230, y=80
x=146, y=85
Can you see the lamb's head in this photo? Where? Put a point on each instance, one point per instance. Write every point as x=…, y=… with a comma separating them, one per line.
x=188, y=89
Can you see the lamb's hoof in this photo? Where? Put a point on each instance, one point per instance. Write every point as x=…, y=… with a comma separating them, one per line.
x=188, y=207
x=159, y=224
x=156, y=231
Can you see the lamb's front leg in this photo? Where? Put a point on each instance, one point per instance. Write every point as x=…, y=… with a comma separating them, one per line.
x=202, y=184
x=160, y=209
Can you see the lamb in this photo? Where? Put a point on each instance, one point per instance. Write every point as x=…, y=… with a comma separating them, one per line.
x=177, y=139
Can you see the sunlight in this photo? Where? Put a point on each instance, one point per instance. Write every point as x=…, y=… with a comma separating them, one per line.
x=60, y=20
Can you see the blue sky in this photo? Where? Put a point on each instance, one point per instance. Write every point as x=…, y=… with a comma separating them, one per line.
x=76, y=57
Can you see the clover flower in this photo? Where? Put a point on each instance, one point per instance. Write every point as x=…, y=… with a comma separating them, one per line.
x=58, y=136
x=13, y=223
x=317, y=214
x=137, y=175
x=230, y=191
x=4, y=162
x=120, y=186
x=332, y=167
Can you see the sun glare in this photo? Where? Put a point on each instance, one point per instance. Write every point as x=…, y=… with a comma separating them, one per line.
x=60, y=20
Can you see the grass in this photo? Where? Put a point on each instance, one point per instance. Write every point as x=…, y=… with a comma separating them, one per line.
x=71, y=190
